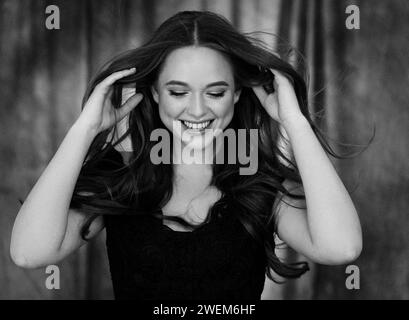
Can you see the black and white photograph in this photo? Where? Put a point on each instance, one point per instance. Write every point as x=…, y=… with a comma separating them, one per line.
x=204, y=150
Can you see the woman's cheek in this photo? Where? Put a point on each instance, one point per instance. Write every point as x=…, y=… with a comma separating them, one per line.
x=170, y=107
x=224, y=107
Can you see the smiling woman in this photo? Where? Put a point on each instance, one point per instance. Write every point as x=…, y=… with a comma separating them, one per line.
x=196, y=87
x=181, y=230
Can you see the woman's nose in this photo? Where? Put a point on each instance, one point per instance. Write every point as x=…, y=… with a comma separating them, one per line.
x=197, y=108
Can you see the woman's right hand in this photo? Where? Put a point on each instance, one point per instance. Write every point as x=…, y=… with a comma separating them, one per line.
x=98, y=113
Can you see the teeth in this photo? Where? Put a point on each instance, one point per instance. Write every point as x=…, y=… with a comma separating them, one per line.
x=196, y=126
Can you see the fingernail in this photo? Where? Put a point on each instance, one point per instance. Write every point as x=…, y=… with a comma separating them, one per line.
x=132, y=69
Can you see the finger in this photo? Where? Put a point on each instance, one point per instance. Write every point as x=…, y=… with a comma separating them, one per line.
x=260, y=93
x=108, y=97
x=280, y=77
x=129, y=105
x=108, y=81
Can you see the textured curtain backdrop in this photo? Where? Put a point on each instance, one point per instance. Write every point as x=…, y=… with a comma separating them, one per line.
x=357, y=78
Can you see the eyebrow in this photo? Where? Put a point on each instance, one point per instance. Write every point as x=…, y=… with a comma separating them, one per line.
x=181, y=83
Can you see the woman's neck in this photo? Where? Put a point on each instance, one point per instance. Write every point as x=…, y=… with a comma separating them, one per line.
x=198, y=174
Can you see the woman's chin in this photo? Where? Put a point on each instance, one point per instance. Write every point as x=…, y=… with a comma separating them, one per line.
x=197, y=143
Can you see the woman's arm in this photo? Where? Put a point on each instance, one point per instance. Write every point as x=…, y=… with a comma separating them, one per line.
x=328, y=231
x=41, y=223
x=45, y=230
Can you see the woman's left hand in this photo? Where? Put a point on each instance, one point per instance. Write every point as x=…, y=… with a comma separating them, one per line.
x=282, y=105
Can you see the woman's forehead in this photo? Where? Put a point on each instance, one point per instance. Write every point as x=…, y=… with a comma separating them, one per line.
x=195, y=64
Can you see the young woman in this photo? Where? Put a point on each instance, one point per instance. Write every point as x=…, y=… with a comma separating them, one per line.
x=192, y=230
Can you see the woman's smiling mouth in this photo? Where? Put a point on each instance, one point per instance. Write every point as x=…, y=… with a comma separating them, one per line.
x=197, y=126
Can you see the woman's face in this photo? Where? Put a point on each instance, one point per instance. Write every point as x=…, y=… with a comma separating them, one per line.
x=195, y=91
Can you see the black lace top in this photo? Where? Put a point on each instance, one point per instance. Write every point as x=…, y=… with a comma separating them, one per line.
x=149, y=260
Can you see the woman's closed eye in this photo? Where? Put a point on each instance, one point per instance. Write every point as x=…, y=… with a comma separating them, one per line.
x=217, y=94
x=183, y=93
x=177, y=93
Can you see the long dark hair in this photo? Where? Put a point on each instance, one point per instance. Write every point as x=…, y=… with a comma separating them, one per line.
x=107, y=186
